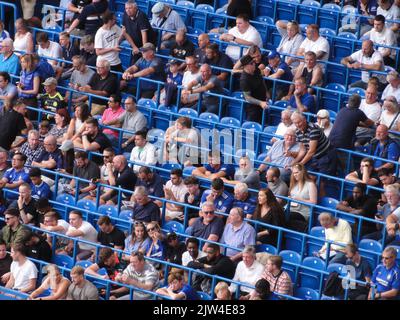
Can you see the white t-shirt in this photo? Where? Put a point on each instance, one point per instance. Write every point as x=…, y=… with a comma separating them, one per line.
x=386, y=38
x=146, y=156
x=376, y=56
x=392, y=14
x=188, y=77
x=289, y=46
x=387, y=119
x=390, y=91
x=53, y=51
x=179, y=192
x=372, y=111
x=63, y=224
x=251, y=35
x=321, y=44
x=281, y=130
x=89, y=234
x=108, y=39
x=186, y=257
x=23, y=273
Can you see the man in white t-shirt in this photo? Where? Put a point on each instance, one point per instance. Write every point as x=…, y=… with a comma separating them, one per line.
x=144, y=153
x=48, y=49
x=286, y=123
x=23, y=271
x=391, y=11
x=243, y=34
x=175, y=190
x=315, y=43
x=393, y=88
x=367, y=59
x=106, y=42
x=382, y=35
x=52, y=223
x=192, y=73
x=82, y=230
x=193, y=253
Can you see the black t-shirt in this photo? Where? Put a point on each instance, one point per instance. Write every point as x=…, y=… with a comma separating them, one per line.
x=135, y=25
x=344, y=129
x=90, y=58
x=102, y=140
x=5, y=264
x=154, y=186
x=91, y=171
x=115, y=238
x=368, y=206
x=40, y=251
x=193, y=213
x=222, y=60
x=126, y=179
x=80, y=4
x=109, y=85
x=254, y=84
x=174, y=255
x=147, y=213
x=11, y=124
x=182, y=51
x=29, y=208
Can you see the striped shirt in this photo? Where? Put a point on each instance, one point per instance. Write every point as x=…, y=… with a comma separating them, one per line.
x=281, y=284
x=31, y=154
x=149, y=275
x=313, y=132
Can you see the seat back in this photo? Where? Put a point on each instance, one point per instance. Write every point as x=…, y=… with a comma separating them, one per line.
x=108, y=210
x=266, y=248
x=306, y=293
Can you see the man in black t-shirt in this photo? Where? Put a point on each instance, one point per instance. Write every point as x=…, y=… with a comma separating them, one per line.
x=366, y=174
x=26, y=205
x=5, y=263
x=254, y=89
x=181, y=48
x=37, y=248
x=110, y=235
x=216, y=58
x=145, y=209
x=12, y=123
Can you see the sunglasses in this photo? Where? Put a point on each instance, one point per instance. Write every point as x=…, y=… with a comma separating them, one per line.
x=8, y=218
x=208, y=212
x=151, y=229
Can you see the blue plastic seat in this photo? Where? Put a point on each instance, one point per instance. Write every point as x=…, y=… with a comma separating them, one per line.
x=332, y=100
x=290, y=256
x=285, y=10
x=182, y=7
x=293, y=242
x=306, y=293
x=328, y=202
x=266, y=248
x=236, y=106
x=244, y=152
x=307, y=12
x=66, y=198
x=203, y=296
x=200, y=18
x=310, y=278
x=87, y=205
x=126, y=215
x=209, y=118
x=188, y=170
x=84, y=263
x=343, y=45
x=231, y=122
x=265, y=19
x=174, y=226
x=359, y=91
x=63, y=260
x=265, y=8
x=338, y=267
x=374, y=248
x=108, y=210
x=270, y=129
x=188, y=112
x=251, y=125
x=148, y=103
x=329, y=16
x=314, y=244
x=168, y=167
x=327, y=32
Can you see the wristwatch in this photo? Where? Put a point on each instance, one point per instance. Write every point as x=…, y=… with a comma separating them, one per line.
x=234, y=38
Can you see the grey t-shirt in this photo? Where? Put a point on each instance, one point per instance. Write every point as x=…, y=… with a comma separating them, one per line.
x=211, y=100
x=87, y=292
x=132, y=121
x=252, y=179
x=82, y=79
x=279, y=188
x=91, y=171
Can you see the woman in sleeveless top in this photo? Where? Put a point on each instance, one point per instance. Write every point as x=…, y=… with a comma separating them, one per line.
x=303, y=189
x=23, y=40
x=82, y=113
x=55, y=283
x=29, y=85
x=268, y=211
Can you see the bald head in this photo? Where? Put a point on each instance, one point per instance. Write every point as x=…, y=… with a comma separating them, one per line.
x=367, y=47
x=119, y=163
x=205, y=71
x=382, y=132
x=203, y=40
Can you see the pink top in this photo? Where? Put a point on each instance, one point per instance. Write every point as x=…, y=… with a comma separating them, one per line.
x=108, y=115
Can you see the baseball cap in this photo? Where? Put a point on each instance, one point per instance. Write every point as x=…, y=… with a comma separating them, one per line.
x=323, y=113
x=273, y=55
x=157, y=8
x=67, y=145
x=50, y=81
x=147, y=46
x=173, y=61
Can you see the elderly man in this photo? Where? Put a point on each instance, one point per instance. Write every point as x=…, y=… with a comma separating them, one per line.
x=248, y=271
x=339, y=231
x=243, y=34
x=237, y=234
x=106, y=42
x=152, y=182
x=392, y=225
x=393, y=87
x=316, y=151
x=207, y=82
x=315, y=43
x=9, y=61
x=32, y=149
x=282, y=153
x=166, y=19
x=131, y=120
x=207, y=226
x=218, y=195
x=149, y=67
x=136, y=28
x=368, y=59
x=8, y=91
x=245, y=174
x=51, y=157
x=244, y=200
x=139, y=274
x=383, y=146
x=214, y=57
x=301, y=99
x=122, y=177
x=103, y=83
x=383, y=35
x=386, y=277
x=254, y=89
x=285, y=124
x=80, y=76
x=203, y=41
x=144, y=209
x=15, y=176
x=144, y=153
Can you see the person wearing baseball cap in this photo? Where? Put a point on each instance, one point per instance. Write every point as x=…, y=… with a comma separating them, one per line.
x=52, y=100
x=254, y=89
x=148, y=66
x=278, y=69
x=324, y=121
x=167, y=19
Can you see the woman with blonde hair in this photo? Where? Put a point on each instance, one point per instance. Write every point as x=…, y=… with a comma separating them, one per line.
x=222, y=292
x=23, y=39
x=55, y=282
x=302, y=188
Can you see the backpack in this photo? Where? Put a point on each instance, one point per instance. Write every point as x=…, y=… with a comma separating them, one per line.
x=333, y=285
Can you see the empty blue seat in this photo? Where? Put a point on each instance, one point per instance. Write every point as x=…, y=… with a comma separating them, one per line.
x=88, y=205
x=270, y=129
x=251, y=125
x=126, y=215
x=168, y=167
x=290, y=256
x=235, y=106
x=331, y=100
x=286, y=10
x=337, y=267
x=342, y=45
x=265, y=8
x=293, y=242
x=200, y=18
x=314, y=245
x=147, y=103
x=203, y=296
x=84, y=263
x=374, y=249
x=306, y=293
x=230, y=121
x=359, y=91
x=188, y=112
x=66, y=198
x=310, y=278
x=266, y=248
x=265, y=19
x=174, y=226
x=108, y=210
x=244, y=152
x=328, y=202
x=307, y=12
x=182, y=7
x=63, y=260
x=209, y=117
x=327, y=33
x=328, y=16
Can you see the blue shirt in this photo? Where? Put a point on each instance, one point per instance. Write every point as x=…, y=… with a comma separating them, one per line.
x=14, y=176
x=307, y=100
x=56, y=156
x=10, y=91
x=137, y=245
x=26, y=80
x=386, y=280
x=41, y=191
x=158, y=73
x=228, y=168
x=190, y=293
x=10, y=65
x=177, y=80
x=44, y=69
x=248, y=206
x=288, y=75
x=200, y=230
x=245, y=235
x=154, y=187
x=223, y=203
x=157, y=251
x=393, y=153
